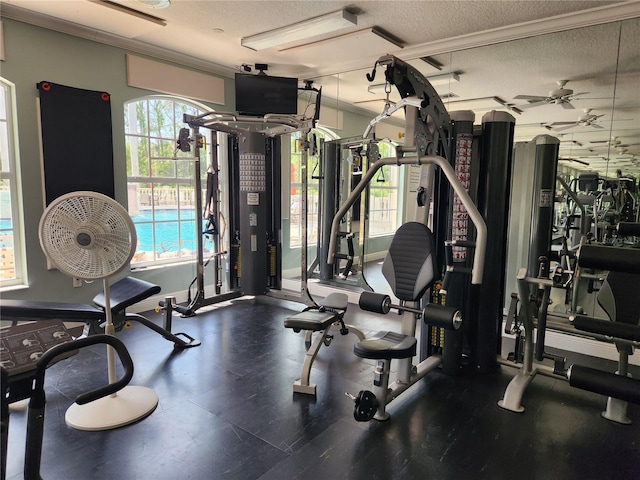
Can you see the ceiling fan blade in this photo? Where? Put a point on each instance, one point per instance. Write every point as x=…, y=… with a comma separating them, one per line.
x=595, y=98
x=560, y=129
x=567, y=106
x=532, y=98
x=562, y=123
x=531, y=105
x=595, y=125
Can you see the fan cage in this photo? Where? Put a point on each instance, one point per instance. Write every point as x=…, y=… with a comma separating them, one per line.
x=87, y=235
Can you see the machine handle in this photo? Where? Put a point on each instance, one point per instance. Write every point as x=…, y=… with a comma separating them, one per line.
x=119, y=347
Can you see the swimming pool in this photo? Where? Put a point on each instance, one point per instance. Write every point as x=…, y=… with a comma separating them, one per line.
x=171, y=235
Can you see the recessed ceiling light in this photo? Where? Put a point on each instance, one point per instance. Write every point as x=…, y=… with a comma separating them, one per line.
x=155, y=3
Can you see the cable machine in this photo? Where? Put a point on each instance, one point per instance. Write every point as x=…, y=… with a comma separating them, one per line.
x=253, y=255
x=340, y=167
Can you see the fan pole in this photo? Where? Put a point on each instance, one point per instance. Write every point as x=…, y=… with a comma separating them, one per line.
x=126, y=406
x=109, y=330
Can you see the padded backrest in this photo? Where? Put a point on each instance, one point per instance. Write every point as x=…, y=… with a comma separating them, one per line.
x=410, y=265
x=619, y=297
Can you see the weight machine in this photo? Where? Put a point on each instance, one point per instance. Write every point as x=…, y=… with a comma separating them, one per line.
x=428, y=130
x=340, y=167
x=254, y=186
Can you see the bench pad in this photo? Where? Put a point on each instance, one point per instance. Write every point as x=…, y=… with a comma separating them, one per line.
x=336, y=301
x=127, y=292
x=313, y=320
x=10, y=309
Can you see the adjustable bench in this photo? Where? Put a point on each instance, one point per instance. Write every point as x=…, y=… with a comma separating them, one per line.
x=123, y=294
x=131, y=290
x=320, y=319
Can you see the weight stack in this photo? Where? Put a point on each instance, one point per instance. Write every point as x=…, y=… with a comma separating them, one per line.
x=254, y=212
x=544, y=188
x=494, y=191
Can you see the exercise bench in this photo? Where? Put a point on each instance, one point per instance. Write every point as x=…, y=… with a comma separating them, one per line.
x=123, y=294
x=319, y=319
x=129, y=291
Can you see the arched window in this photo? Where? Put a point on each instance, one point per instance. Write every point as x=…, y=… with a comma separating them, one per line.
x=161, y=178
x=12, y=255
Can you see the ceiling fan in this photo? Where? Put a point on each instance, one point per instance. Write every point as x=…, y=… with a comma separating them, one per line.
x=559, y=96
x=614, y=142
x=586, y=120
x=624, y=153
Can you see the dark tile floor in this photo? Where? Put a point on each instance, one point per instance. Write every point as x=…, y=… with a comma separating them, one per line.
x=227, y=410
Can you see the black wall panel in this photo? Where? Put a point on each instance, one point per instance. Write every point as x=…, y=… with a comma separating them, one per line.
x=77, y=140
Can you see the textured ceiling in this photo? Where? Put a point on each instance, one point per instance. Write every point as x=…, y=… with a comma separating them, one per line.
x=602, y=60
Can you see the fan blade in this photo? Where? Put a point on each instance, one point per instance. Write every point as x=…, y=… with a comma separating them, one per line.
x=580, y=93
x=532, y=98
x=531, y=105
x=567, y=105
x=565, y=128
x=595, y=98
x=595, y=125
x=562, y=123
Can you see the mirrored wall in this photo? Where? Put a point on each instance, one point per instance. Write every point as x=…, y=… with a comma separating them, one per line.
x=580, y=86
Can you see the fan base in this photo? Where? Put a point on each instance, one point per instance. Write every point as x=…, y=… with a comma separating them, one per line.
x=128, y=405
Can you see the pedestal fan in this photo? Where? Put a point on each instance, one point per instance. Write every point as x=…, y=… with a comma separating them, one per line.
x=90, y=236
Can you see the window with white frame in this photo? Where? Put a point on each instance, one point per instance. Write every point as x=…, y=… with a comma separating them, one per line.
x=313, y=188
x=12, y=256
x=161, y=179
x=383, y=196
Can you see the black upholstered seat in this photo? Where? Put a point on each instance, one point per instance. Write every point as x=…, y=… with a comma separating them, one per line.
x=410, y=265
x=410, y=269
x=127, y=292
x=386, y=346
x=313, y=320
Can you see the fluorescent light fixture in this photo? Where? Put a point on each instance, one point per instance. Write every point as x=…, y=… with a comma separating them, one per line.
x=322, y=25
x=436, y=80
x=130, y=11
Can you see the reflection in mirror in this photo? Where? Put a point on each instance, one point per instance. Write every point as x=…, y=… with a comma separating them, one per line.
x=581, y=88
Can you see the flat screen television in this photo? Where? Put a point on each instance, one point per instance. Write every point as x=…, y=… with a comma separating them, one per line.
x=262, y=94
